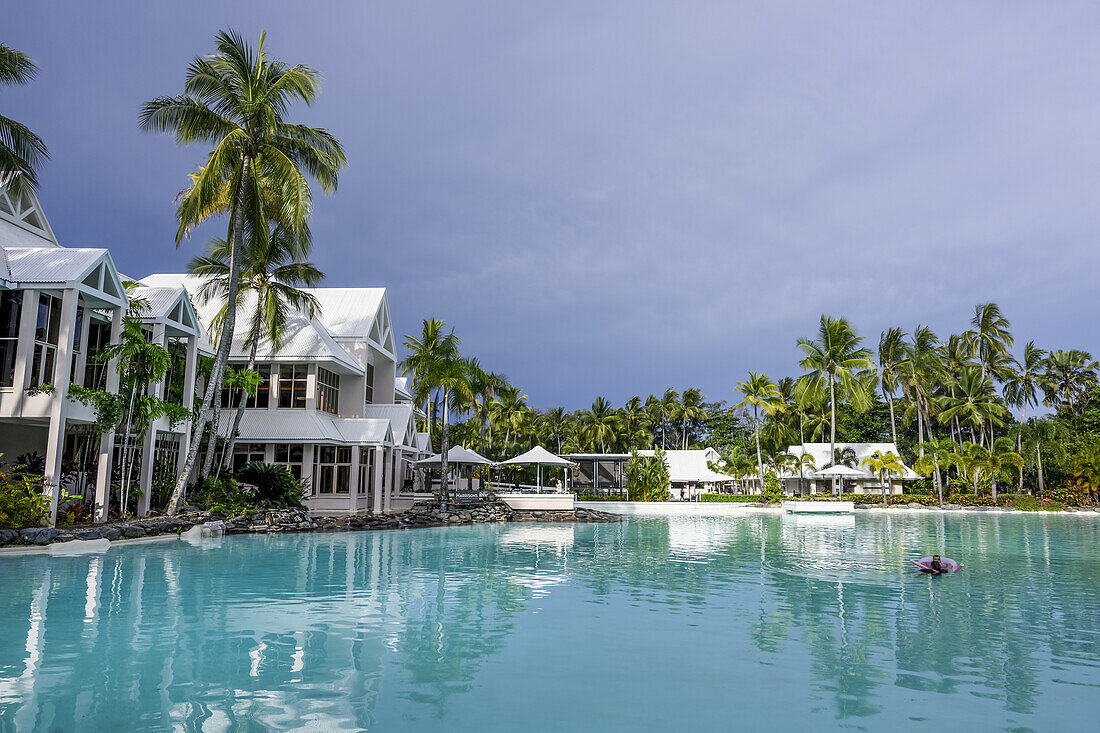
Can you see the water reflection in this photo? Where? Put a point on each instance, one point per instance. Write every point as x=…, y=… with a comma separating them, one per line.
x=431, y=628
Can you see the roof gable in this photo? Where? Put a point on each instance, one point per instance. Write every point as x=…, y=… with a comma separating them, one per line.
x=25, y=212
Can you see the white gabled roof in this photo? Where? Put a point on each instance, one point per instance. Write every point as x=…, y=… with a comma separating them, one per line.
x=308, y=426
x=683, y=465
x=400, y=417
x=91, y=271
x=171, y=306
x=306, y=339
x=23, y=223
x=423, y=442
x=357, y=314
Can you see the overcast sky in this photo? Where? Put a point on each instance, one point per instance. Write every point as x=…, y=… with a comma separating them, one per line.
x=612, y=198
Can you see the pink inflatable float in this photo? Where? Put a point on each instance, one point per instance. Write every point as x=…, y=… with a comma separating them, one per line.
x=948, y=565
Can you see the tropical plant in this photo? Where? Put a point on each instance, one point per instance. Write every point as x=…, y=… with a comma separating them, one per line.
x=801, y=462
x=882, y=464
x=835, y=359
x=647, y=477
x=600, y=423
x=276, y=487
x=891, y=358
x=1086, y=470
x=992, y=460
x=236, y=100
x=21, y=151
x=1069, y=376
x=760, y=393
x=975, y=403
x=1021, y=389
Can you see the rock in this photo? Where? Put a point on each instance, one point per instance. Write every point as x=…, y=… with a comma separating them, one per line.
x=131, y=530
x=7, y=536
x=915, y=505
x=42, y=536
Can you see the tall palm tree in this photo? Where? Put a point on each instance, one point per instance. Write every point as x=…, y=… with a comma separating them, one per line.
x=236, y=100
x=836, y=357
x=989, y=334
x=425, y=353
x=993, y=460
x=450, y=374
x=272, y=277
x=21, y=151
x=634, y=420
x=891, y=357
x=922, y=370
x=801, y=462
x=1069, y=375
x=760, y=393
x=671, y=407
x=975, y=404
x=554, y=421
x=937, y=453
x=1022, y=388
x=600, y=423
x=882, y=464
x=485, y=386
x=691, y=410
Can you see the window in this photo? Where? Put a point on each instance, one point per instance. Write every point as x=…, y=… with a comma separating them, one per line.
x=45, y=339
x=95, y=371
x=290, y=458
x=370, y=384
x=332, y=469
x=10, y=302
x=231, y=396
x=292, y=385
x=246, y=453
x=328, y=391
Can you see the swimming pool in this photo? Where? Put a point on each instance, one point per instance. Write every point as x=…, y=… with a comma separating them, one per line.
x=750, y=622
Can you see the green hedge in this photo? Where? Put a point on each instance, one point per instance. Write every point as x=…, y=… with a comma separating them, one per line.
x=732, y=497
x=600, y=497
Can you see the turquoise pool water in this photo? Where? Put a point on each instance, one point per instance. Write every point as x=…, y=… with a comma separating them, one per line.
x=746, y=623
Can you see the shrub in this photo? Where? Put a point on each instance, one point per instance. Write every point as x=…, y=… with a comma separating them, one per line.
x=22, y=503
x=647, y=477
x=223, y=497
x=773, y=491
x=735, y=498
x=600, y=497
x=276, y=487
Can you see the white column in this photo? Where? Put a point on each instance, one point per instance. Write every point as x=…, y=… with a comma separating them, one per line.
x=353, y=487
x=311, y=388
x=24, y=353
x=376, y=482
x=107, y=440
x=307, y=466
x=82, y=358
x=148, y=453
x=55, y=441
x=391, y=467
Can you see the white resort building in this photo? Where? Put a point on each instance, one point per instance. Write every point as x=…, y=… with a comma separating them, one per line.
x=860, y=482
x=604, y=473
x=330, y=408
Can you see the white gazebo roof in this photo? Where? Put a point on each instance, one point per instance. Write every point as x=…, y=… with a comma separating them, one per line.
x=845, y=471
x=537, y=456
x=459, y=456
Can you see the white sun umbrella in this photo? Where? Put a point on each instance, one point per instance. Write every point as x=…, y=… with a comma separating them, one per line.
x=538, y=456
x=842, y=470
x=459, y=456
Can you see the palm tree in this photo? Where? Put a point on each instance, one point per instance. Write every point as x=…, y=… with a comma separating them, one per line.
x=554, y=421
x=761, y=393
x=989, y=335
x=424, y=355
x=450, y=375
x=1069, y=376
x=1037, y=436
x=272, y=275
x=21, y=151
x=882, y=464
x=922, y=369
x=633, y=423
x=485, y=386
x=837, y=357
x=600, y=423
x=993, y=460
x=802, y=462
x=671, y=407
x=236, y=100
x=1021, y=389
x=691, y=410
x=513, y=412
x=936, y=453
x=734, y=464
x=891, y=357
x=975, y=404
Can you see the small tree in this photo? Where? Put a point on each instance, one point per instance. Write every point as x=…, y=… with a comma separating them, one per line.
x=882, y=464
x=647, y=477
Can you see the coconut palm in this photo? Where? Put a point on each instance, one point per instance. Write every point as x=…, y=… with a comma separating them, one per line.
x=600, y=423
x=1069, y=376
x=485, y=386
x=735, y=464
x=801, y=462
x=989, y=335
x=21, y=151
x=891, y=357
x=236, y=100
x=1040, y=436
x=554, y=422
x=671, y=408
x=922, y=370
x=993, y=460
x=882, y=464
x=1022, y=389
x=272, y=277
x=760, y=393
x=691, y=411
x=975, y=403
x=836, y=358
x=634, y=423
x=425, y=353
x=937, y=454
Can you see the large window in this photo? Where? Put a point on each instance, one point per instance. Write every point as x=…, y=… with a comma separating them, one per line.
x=370, y=384
x=292, y=385
x=231, y=396
x=290, y=457
x=10, y=302
x=95, y=371
x=45, y=339
x=246, y=453
x=332, y=469
x=328, y=391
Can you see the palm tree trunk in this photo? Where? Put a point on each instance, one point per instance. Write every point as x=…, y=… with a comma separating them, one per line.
x=882, y=484
x=759, y=460
x=832, y=425
x=1039, y=465
x=224, y=343
x=212, y=440
x=444, y=436
x=231, y=436
x=939, y=480
x=893, y=422
x=126, y=455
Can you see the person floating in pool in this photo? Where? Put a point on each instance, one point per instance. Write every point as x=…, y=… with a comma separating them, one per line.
x=935, y=567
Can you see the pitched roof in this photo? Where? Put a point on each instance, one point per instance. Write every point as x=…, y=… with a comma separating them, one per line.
x=308, y=426
x=50, y=264
x=399, y=416
x=823, y=457
x=349, y=312
x=23, y=223
x=305, y=339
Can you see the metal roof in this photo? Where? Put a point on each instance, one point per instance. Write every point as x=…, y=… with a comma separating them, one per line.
x=308, y=426
x=399, y=416
x=50, y=264
x=822, y=456
x=349, y=312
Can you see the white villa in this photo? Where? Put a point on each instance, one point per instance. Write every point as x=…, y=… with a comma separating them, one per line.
x=822, y=456
x=688, y=469
x=331, y=407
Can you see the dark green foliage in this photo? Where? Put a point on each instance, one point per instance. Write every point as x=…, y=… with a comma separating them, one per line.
x=22, y=503
x=647, y=477
x=276, y=487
